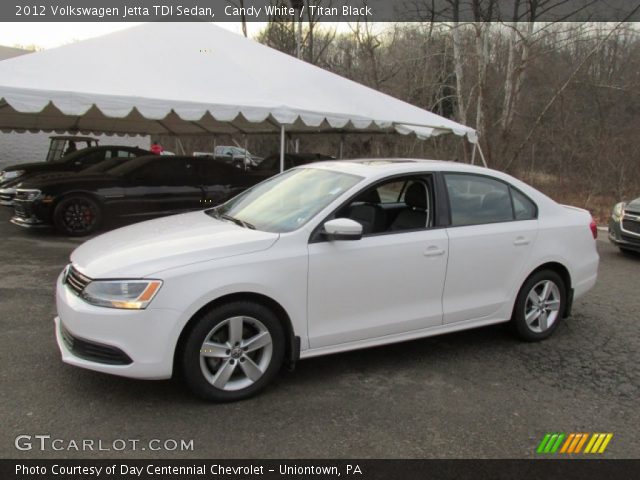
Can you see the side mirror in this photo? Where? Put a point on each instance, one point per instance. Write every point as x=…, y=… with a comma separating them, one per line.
x=342, y=229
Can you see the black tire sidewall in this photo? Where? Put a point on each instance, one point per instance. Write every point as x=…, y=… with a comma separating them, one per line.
x=518, y=320
x=59, y=223
x=190, y=353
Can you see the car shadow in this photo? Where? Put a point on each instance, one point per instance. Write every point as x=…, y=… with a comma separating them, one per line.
x=309, y=374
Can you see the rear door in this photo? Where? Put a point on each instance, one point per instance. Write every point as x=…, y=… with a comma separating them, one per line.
x=493, y=229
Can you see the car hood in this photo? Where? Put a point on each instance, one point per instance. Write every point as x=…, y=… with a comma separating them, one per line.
x=25, y=166
x=633, y=205
x=147, y=248
x=43, y=181
x=38, y=178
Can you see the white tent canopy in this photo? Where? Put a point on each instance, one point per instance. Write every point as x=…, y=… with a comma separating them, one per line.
x=194, y=78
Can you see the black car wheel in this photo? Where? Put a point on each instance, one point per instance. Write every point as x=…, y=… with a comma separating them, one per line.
x=77, y=215
x=232, y=352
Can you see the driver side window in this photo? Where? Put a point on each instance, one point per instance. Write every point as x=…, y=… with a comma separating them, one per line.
x=394, y=206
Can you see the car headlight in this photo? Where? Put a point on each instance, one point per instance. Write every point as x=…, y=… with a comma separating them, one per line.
x=618, y=211
x=127, y=294
x=10, y=175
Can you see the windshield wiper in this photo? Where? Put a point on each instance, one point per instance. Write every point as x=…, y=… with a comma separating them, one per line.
x=215, y=213
x=237, y=221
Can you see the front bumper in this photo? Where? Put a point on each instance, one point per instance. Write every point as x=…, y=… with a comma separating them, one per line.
x=147, y=338
x=30, y=214
x=623, y=238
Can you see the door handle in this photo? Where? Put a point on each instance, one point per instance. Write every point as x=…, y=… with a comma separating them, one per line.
x=521, y=241
x=433, y=251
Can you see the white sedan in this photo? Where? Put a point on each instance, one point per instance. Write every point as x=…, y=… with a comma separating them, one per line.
x=321, y=259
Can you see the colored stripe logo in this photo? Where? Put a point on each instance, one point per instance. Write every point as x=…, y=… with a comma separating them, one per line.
x=573, y=443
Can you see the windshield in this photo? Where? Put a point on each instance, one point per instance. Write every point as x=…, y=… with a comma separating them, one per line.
x=286, y=202
x=70, y=157
x=131, y=165
x=106, y=165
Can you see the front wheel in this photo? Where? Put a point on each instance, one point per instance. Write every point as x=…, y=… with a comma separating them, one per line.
x=232, y=352
x=77, y=215
x=539, y=306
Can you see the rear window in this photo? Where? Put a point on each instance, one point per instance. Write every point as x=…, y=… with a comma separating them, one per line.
x=477, y=199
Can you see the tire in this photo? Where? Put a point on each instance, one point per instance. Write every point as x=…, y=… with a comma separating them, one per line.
x=537, y=311
x=232, y=352
x=77, y=215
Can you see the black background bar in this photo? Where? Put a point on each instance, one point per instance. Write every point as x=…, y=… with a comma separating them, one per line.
x=547, y=469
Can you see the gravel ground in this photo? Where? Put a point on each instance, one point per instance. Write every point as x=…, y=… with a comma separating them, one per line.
x=475, y=394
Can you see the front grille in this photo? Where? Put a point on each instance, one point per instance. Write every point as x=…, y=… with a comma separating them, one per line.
x=631, y=226
x=21, y=210
x=75, y=280
x=92, y=351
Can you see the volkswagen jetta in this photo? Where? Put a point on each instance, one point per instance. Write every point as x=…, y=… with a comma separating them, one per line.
x=321, y=259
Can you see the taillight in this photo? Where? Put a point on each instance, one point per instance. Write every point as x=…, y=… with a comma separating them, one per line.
x=594, y=228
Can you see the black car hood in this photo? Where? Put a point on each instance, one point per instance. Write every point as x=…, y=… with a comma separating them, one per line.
x=41, y=182
x=31, y=166
x=633, y=205
x=36, y=177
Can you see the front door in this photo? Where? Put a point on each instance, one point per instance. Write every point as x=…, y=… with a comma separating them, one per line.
x=390, y=281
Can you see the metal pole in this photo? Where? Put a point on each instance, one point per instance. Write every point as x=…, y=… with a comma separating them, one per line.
x=244, y=160
x=484, y=162
x=180, y=146
x=473, y=153
x=281, y=148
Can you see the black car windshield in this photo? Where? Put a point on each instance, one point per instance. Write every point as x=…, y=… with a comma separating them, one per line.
x=131, y=165
x=77, y=154
x=105, y=165
x=287, y=201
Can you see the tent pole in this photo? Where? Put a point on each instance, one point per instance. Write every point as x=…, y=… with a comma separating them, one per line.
x=245, y=166
x=484, y=161
x=473, y=154
x=281, y=148
x=180, y=146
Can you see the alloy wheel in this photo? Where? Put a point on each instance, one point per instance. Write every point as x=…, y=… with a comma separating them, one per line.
x=79, y=216
x=542, y=306
x=236, y=353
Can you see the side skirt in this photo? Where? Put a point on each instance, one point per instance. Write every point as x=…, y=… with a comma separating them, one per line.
x=400, y=337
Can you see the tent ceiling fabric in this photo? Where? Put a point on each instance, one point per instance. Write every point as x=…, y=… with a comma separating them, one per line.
x=193, y=79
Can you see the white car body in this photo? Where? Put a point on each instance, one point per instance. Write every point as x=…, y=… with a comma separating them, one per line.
x=337, y=295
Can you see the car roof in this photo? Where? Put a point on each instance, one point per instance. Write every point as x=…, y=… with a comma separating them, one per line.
x=73, y=137
x=373, y=167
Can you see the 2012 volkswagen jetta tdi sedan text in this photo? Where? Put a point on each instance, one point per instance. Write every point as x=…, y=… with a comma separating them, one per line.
x=322, y=259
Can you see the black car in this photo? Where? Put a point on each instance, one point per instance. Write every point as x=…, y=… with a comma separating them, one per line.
x=142, y=187
x=8, y=193
x=74, y=162
x=624, y=226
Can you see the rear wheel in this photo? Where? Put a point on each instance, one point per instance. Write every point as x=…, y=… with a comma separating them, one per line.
x=232, y=352
x=77, y=215
x=539, y=306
